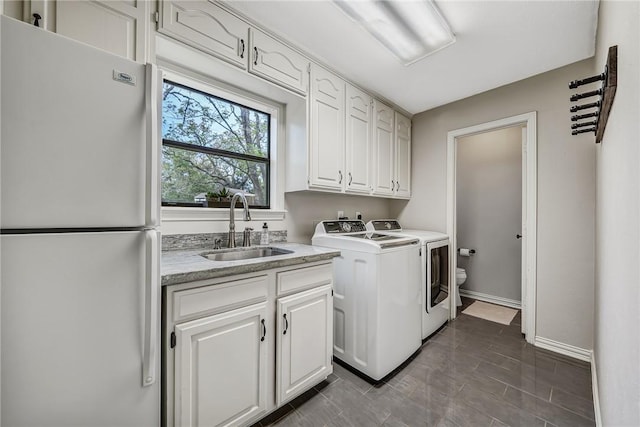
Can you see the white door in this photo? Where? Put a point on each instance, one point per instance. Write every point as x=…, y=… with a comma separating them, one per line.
x=326, y=162
x=220, y=368
x=72, y=328
x=523, y=236
x=358, y=141
x=383, y=149
x=304, y=341
x=403, y=156
x=207, y=27
x=73, y=137
x=118, y=27
x=488, y=213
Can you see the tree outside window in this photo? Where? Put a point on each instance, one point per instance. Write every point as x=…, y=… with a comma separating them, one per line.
x=210, y=144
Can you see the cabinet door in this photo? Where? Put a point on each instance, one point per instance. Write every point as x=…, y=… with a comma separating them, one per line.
x=207, y=27
x=119, y=27
x=304, y=341
x=220, y=368
x=278, y=63
x=326, y=153
x=383, y=149
x=358, y=141
x=403, y=156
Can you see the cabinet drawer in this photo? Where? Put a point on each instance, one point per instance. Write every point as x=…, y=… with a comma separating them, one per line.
x=219, y=297
x=304, y=278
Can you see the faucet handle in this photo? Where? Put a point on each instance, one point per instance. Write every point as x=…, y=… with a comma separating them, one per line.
x=217, y=243
x=246, y=236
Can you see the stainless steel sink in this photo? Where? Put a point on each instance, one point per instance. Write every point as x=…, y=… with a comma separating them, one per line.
x=245, y=253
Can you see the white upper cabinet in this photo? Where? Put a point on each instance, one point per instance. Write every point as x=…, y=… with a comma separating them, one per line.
x=326, y=130
x=403, y=156
x=119, y=27
x=383, y=150
x=278, y=63
x=212, y=29
x=207, y=27
x=358, y=141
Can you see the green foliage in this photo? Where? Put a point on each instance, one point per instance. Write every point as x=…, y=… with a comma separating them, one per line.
x=205, y=121
x=224, y=193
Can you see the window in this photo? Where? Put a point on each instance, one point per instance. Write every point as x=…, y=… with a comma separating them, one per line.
x=211, y=144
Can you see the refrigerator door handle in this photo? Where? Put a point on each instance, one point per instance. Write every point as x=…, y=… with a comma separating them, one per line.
x=153, y=98
x=151, y=288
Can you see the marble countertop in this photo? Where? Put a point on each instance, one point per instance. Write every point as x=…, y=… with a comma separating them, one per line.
x=182, y=266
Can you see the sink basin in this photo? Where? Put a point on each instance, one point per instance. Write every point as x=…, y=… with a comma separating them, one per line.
x=244, y=253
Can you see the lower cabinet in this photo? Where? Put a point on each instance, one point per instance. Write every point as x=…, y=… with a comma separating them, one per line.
x=237, y=348
x=304, y=341
x=220, y=368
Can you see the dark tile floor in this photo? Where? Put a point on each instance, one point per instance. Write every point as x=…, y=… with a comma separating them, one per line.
x=471, y=373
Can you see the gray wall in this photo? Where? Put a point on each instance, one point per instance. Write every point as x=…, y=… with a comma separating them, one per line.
x=617, y=282
x=566, y=192
x=306, y=209
x=489, y=205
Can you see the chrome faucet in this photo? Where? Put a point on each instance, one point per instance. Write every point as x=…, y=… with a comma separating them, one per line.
x=232, y=223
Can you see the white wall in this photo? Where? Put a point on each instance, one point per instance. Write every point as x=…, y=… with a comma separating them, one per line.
x=566, y=192
x=306, y=209
x=617, y=281
x=489, y=205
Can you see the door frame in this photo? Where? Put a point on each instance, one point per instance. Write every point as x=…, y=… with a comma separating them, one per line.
x=529, y=211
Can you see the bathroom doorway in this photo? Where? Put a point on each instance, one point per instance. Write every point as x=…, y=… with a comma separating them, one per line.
x=507, y=236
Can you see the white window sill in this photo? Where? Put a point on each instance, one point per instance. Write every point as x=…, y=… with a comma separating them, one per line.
x=185, y=214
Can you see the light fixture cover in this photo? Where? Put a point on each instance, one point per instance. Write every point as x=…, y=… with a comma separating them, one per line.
x=410, y=29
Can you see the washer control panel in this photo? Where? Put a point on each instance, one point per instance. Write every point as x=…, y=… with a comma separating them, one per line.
x=386, y=225
x=344, y=226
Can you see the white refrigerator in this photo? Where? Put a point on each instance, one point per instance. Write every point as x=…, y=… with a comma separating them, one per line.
x=80, y=239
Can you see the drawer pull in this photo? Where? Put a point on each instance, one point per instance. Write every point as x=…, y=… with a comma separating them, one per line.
x=286, y=324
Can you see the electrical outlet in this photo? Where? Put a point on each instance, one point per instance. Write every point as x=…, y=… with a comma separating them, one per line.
x=340, y=214
x=358, y=215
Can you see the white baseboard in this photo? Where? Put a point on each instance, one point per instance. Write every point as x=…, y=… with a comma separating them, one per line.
x=596, y=394
x=490, y=298
x=562, y=348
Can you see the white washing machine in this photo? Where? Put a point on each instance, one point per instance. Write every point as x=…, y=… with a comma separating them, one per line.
x=376, y=304
x=434, y=272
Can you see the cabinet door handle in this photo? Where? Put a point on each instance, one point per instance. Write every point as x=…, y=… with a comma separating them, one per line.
x=340, y=182
x=242, y=48
x=255, y=59
x=393, y=185
x=397, y=185
x=286, y=324
x=350, y=178
x=264, y=330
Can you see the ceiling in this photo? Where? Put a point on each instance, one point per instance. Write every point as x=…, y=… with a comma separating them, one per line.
x=497, y=42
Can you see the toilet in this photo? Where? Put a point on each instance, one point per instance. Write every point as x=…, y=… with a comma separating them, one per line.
x=461, y=276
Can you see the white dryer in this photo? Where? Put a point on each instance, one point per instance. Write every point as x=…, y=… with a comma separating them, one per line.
x=435, y=282
x=377, y=296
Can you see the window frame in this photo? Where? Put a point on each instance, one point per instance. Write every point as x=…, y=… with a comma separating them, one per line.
x=235, y=96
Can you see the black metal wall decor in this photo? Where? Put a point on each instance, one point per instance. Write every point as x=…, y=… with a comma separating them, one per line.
x=606, y=94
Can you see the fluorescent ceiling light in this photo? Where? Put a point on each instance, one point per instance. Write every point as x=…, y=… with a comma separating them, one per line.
x=411, y=29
